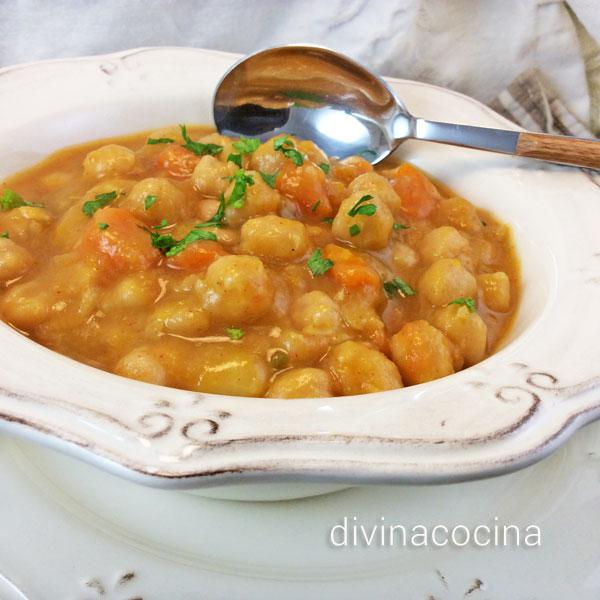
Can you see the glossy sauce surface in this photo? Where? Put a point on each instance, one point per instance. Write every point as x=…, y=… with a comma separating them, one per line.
x=225, y=266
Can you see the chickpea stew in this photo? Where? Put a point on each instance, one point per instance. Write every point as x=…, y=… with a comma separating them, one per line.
x=188, y=259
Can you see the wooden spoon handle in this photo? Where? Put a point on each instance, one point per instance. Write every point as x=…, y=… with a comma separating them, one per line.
x=559, y=148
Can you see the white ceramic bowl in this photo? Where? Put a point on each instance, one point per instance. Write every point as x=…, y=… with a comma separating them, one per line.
x=504, y=413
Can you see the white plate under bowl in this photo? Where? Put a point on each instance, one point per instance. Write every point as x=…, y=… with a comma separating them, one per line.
x=503, y=414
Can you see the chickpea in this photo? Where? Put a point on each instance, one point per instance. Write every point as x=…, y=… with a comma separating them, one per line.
x=274, y=237
x=231, y=370
x=210, y=176
x=109, y=160
x=358, y=369
x=302, y=349
x=67, y=232
x=373, y=230
x=446, y=280
x=301, y=383
x=14, y=260
x=170, y=202
x=421, y=352
x=376, y=185
x=142, y=365
x=465, y=329
x=237, y=289
x=260, y=200
x=25, y=222
x=496, y=290
x=404, y=256
x=315, y=313
x=26, y=305
x=361, y=316
x=132, y=291
x=443, y=242
x=181, y=317
x=460, y=213
x=266, y=159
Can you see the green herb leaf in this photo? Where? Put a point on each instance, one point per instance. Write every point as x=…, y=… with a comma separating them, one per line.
x=217, y=219
x=237, y=197
x=360, y=208
x=235, y=158
x=246, y=145
x=317, y=264
x=282, y=142
x=4, y=234
x=327, y=220
x=354, y=230
x=294, y=156
x=269, y=179
x=198, y=148
x=103, y=226
x=400, y=226
x=162, y=241
x=101, y=200
x=10, y=199
x=325, y=167
x=286, y=147
x=235, y=333
x=468, y=302
x=314, y=207
x=153, y=141
x=149, y=201
x=398, y=286
x=194, y=235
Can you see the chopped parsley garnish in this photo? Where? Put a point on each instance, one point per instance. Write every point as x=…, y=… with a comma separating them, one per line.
x=149, y=201
x=398, y=286
x=165, y=140
x=198, y=148
x=246, y=145
x=10, y=199
x=167, y=244
x=235, y=158
x=243, y=146
x=354, y=229
x=241, y=183
x=103, y=226
x=324, y=167
x=360, y=208
x=317, y=264
x=327, y=220
x=400, y=226
x=100, y=201
x=286, y=147
x=468, y=302
x=235, y=333
x=217, y=219
x=269, y=179
x=194, y=235
x=314, y=207
x=4, y=234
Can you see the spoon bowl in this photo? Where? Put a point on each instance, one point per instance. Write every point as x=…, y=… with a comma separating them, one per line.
x=317, y=94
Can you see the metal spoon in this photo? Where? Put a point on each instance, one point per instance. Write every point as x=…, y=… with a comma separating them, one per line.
x=320, y=95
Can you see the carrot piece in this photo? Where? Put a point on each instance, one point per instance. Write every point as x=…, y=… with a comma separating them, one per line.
x=197, y=256
x=305, y=185
x=349, y=270
x=177, y=161
x=350, y=168
x=418, y=194
x=118, y=242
